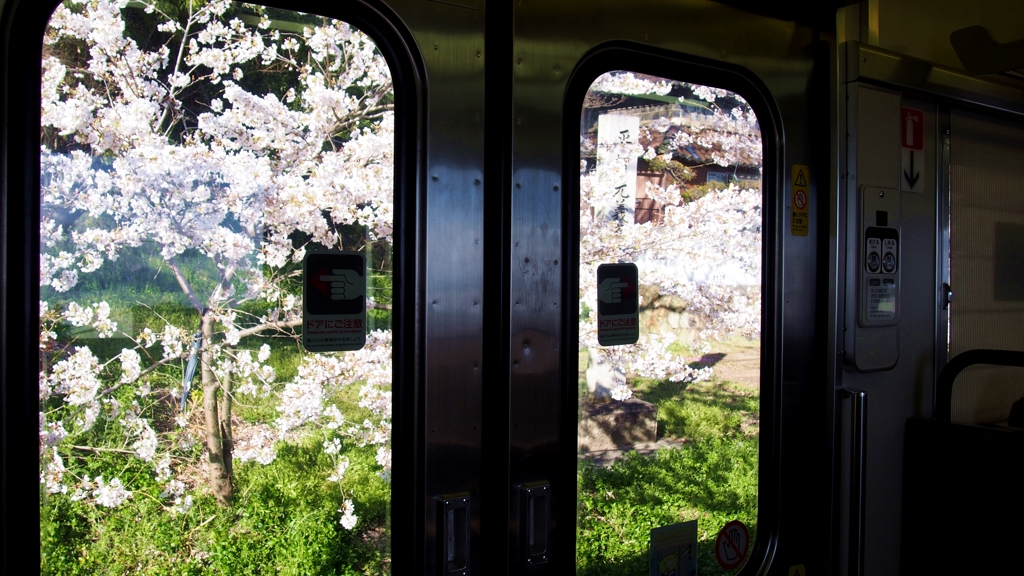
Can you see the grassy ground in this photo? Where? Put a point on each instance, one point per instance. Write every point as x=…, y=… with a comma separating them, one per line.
x=284, y=521
x=711, y=477
x=284, y=518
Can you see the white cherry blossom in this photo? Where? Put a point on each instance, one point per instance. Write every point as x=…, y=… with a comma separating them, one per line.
x=133, y=161
x=718, y=231
x=348, y=516
x=111, y=494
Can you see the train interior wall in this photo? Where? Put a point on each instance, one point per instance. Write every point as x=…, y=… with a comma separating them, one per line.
x=938, y=225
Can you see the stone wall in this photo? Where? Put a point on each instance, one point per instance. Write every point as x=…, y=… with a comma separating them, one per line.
x=664, y=314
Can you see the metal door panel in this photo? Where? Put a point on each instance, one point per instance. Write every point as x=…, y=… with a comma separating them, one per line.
x=450, y=39
x=549, y=42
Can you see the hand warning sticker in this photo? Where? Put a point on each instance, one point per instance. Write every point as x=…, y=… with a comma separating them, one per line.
x=800, y=202
x=618, y=304
x=333, y=301
x=732, y=544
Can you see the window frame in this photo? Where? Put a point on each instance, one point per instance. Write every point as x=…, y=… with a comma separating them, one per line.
x=23, y=27
x=638, y=58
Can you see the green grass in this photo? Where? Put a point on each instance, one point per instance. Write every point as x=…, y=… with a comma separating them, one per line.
x=284, y=521
x=711, y=478
x=712, y=481
x=702, y=410
x=284, y=517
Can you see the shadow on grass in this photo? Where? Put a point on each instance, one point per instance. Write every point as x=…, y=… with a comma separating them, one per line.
x=709, y=360
x=693, y=411
x=713, y=481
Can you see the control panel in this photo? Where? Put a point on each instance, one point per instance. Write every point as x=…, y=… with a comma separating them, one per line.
x=880, y=275
x=875, y=282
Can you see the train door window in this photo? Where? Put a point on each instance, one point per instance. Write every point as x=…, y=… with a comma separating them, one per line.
x=986, y=259
x=668, y=429
x=193, y=153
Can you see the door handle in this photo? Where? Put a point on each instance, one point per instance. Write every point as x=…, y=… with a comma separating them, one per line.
x=453, y=515
x=534, y=522
x=858, y=478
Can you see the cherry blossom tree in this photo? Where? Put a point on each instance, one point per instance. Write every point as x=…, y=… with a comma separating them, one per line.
x=223, y=146
x=716, y=229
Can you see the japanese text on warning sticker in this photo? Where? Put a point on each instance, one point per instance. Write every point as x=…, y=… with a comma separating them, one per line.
x=800, y=208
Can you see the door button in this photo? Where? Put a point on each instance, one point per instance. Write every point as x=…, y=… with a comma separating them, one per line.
x=873, y=262
x=889, y=262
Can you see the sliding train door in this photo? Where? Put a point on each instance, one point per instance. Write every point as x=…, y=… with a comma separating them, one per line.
x=665, y=211
x=594, y=237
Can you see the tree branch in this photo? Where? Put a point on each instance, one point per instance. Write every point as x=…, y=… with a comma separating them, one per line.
x=281, y=326
x=142, y=375
x=98, y=450
x=183, y=282
x=222, y=286
x=177, y=67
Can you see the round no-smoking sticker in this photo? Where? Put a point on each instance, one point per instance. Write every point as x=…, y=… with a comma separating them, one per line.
x=800, y=199
x=732, y=545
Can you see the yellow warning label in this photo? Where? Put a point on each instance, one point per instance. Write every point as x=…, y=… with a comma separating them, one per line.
x=800, y=205
x=797, y=570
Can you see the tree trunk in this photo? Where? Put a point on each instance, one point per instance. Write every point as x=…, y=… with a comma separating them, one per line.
x=224, y=412
x=219, y=452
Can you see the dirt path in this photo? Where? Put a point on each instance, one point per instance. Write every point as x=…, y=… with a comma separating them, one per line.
x=736, y=361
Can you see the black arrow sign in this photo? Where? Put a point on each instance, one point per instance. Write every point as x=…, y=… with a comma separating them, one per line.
x=911, y=180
